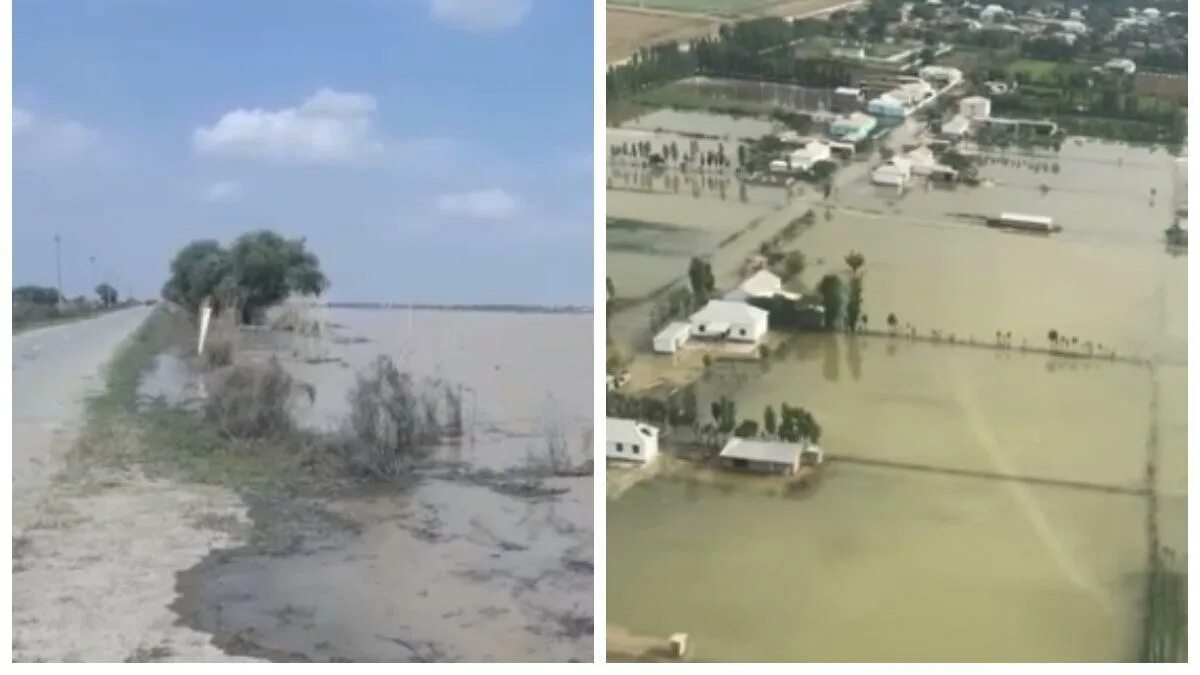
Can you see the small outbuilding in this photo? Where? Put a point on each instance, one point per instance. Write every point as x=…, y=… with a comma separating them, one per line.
x=729, y=320
x=746, y=454
x=672, y=338
x=761, y=284
x=630, y=440
x=853, y=127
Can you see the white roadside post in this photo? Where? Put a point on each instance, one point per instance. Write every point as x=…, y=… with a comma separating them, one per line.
x=205, y=315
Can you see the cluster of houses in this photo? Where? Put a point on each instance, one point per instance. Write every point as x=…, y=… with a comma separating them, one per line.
x=633, y=442
x=730, y=319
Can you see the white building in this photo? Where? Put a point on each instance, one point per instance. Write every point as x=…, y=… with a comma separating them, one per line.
x=993, y=13
x=769, y=456
x=1072, y=26
x=957, y=127
x=975, y=108
x=729, y=320
x=896, y=172
x=942, y=76
x=922, y=163
x=1126, y=66
x=630, y=440
x=672, y=338
x=802, y=159
x=761, y=284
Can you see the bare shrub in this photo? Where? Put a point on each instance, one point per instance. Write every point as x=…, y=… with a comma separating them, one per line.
x=393, y=420
x=554, y=457
x=218, y=353
x=252, y=401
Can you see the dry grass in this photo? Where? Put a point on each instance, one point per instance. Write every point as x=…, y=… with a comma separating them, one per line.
x=251, y=401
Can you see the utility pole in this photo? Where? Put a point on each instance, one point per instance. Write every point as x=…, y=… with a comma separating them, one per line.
x=58, y=265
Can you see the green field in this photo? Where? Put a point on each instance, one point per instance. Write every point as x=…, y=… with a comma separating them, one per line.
x=1039, y=69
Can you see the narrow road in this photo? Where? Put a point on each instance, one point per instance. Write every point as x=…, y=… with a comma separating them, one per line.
x=95, y=557
x=54, y=370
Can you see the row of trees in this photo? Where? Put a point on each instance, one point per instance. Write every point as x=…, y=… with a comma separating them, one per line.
x=259, y=270
x=793, y=424
x=48, y=297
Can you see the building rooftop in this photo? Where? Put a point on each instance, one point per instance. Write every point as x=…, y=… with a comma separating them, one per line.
x=727, y=312
x=775, y=452
x=620, y=430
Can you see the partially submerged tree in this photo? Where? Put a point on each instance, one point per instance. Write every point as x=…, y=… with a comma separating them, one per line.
x=259, y=270
x=831, y=288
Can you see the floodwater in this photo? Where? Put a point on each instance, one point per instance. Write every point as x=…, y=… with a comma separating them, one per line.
x=703, y=124
x=456, y=566
x=940, y=529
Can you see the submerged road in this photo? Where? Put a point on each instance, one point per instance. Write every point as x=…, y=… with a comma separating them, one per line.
x=54, y=370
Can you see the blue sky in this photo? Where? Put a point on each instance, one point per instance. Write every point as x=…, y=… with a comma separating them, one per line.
x=429, y=150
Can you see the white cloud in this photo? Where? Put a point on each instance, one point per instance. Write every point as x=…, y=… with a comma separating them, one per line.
x=330, y=127
x=221, y=191
x=47, y=140
x=480, y=15
x=492, y=204
x=21, y=119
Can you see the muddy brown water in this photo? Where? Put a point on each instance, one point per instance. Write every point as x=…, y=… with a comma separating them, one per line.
x=883, y=563
x=447, y=566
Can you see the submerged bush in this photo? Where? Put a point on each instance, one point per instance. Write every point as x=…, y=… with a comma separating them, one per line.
x=252, y=401
x=392, y=419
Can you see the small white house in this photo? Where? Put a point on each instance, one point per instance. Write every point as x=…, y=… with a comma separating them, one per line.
x=769, y=456
x=957, y=127
x=896, y=172
x=993, y=13
x=1126, y=66
x=630, y=440
x=672, y=338
x=729, y=320
x=975, y=107
x=802, y=159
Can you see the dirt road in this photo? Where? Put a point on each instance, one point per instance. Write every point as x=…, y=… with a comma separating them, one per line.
x=95, y=555
x=54, y=369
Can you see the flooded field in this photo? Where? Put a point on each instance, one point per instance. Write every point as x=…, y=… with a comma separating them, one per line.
x=879, y=565
x=462, y=560
x=977, y=500
x=713, y=125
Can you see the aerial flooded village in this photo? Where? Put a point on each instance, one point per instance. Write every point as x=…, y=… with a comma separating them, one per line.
x=897, y=328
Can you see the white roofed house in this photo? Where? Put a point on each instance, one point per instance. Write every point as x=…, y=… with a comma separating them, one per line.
x=896, y=172
x=769, y=456
x=630, y=440
x=802, y=159
x=729, y=320
x=975, y=107
x=761, y=284
x=672, y=338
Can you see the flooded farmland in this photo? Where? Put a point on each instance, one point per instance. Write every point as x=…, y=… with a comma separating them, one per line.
x=977, y=501
x=461, y=561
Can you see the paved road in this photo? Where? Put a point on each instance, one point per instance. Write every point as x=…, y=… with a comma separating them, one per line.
x=54, y=370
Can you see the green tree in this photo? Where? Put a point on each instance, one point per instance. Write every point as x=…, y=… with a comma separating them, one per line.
x=747, y=429
x=854, y=303
x=36, y=295
x=196, y=272
x=259, y=270
x=831, y=290
x=769, y=420
x=267, y=268
x=107, y=294
x=793, y=264
x=855, y=261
